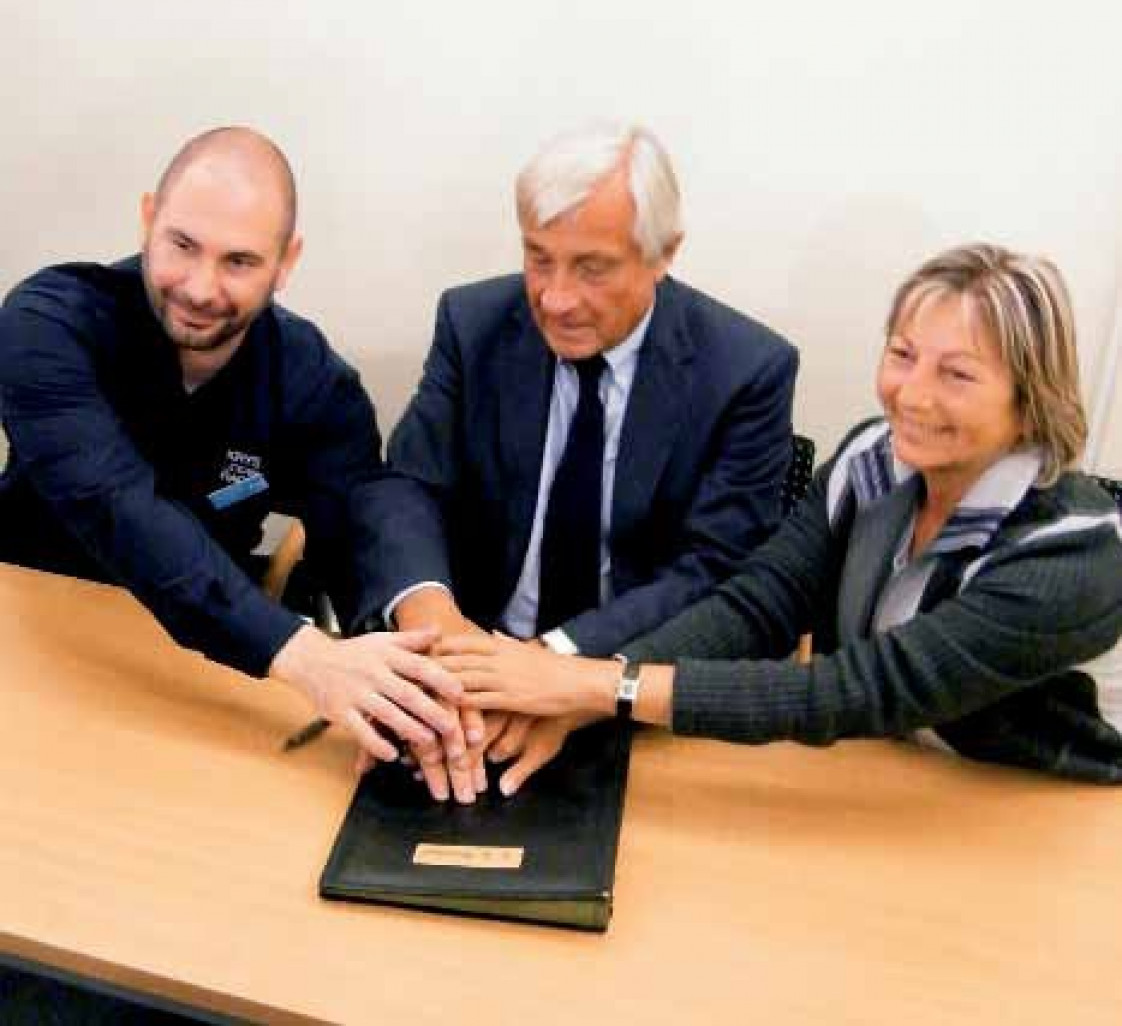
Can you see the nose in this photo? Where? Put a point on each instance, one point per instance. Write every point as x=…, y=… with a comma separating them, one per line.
x=200, y=286
x=558, y=296
x=916, y=390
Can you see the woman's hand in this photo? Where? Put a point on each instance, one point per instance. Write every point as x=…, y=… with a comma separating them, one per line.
x=497, y=672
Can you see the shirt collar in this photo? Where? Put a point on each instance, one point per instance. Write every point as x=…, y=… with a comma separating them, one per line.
x=622, y=358
x=876, y=472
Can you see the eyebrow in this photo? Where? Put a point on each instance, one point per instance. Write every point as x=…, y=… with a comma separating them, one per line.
x=954, y=354
x=237, y=254
x=588, y=256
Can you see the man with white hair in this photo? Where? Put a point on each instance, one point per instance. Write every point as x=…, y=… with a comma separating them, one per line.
x=593, y=445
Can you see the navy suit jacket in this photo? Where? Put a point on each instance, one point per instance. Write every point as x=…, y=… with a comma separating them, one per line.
x=705, y=443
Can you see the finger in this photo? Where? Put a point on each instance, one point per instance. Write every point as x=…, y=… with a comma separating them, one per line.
x=479, y=775
x=459, y=764
x=459, y=664
x=465, y=644
x=435, y=777
x=475, y=731
x=370, y=740
x=393, y=717
x=417, y=640
x=364, y=761
x=476, y=679
x=425, y=672
x=533, y=759
x=513, y=740
x=492, y=701
x=411, y=699
x=430, y=751
x=463, y=780
x=495, y=723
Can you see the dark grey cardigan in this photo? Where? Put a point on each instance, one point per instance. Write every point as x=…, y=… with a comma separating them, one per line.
x=1011, y=656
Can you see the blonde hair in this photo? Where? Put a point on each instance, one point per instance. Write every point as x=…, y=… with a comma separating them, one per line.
x=564, y=172
x=1024, y=305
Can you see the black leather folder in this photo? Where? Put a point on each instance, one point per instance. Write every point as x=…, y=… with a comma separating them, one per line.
x=546, y=854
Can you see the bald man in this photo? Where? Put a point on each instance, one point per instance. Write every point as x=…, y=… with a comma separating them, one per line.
x=159, y=407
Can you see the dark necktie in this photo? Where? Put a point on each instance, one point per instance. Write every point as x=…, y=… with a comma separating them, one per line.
x=569, y=582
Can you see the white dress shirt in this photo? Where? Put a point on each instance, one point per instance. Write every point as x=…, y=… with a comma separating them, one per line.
x=519, y=618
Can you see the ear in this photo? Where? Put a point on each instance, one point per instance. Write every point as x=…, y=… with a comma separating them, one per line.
x=147, y=214
x=662, y=268
x=288, y=261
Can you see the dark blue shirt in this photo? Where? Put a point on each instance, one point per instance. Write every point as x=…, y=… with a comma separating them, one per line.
x=117, y=472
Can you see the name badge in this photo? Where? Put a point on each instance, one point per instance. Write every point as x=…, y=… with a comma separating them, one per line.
x=238, y=491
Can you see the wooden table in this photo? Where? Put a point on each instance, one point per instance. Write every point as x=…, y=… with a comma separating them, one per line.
x=153, y=836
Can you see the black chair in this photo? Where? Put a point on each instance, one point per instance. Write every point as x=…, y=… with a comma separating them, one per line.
x=1112, y=486
x=799, y=473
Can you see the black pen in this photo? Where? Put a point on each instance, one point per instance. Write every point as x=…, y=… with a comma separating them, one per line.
x=306, y=734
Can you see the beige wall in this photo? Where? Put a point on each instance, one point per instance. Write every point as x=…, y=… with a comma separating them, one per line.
x=824, y=148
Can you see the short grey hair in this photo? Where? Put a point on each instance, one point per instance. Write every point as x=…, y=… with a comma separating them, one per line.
x=563, y=173
x=1024, y=304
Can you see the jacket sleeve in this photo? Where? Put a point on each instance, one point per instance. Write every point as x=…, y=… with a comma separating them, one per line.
x=761, y=612
x=334, y=446
x=1033, y=610
x=735, y=507
x=400, y=537
x=82, y=463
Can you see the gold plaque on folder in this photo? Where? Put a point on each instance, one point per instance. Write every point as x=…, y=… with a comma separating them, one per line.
x=467, y=856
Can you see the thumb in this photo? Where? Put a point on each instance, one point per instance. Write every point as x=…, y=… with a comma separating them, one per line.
x=532, y=759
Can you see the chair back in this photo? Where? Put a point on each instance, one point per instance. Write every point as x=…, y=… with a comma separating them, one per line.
x=799, y=473
x=1110, y=485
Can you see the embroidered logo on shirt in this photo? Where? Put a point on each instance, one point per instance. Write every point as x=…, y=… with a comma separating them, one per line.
x=242, y=479
x=239, y=466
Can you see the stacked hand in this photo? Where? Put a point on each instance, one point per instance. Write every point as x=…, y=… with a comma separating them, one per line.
x=527, y=694
x=452, y=763
x=450, y=694
x=375, y=681
x=500, y=728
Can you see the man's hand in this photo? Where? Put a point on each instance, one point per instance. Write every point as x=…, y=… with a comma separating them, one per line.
x=374, y=679
x=432, y=606
x=446, y=768
x=452, y=764
x=533, y=697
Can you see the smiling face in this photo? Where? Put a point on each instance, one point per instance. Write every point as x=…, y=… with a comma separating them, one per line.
x=947, y=393
x=586, y=279
x=214, y=252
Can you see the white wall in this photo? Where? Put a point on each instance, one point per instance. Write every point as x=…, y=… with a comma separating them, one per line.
x=824, y=148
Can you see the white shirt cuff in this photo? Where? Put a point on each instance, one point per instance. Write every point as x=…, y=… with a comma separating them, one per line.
x=560, y=642
x=387, y=613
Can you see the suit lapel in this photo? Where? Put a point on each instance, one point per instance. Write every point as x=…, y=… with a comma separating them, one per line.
x=655, y=409
x=525, y=382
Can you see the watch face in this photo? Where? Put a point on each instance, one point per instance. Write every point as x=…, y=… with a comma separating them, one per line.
x=627, y=689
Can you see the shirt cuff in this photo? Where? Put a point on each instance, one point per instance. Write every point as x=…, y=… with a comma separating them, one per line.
x=401, y=596
x=560, y=642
